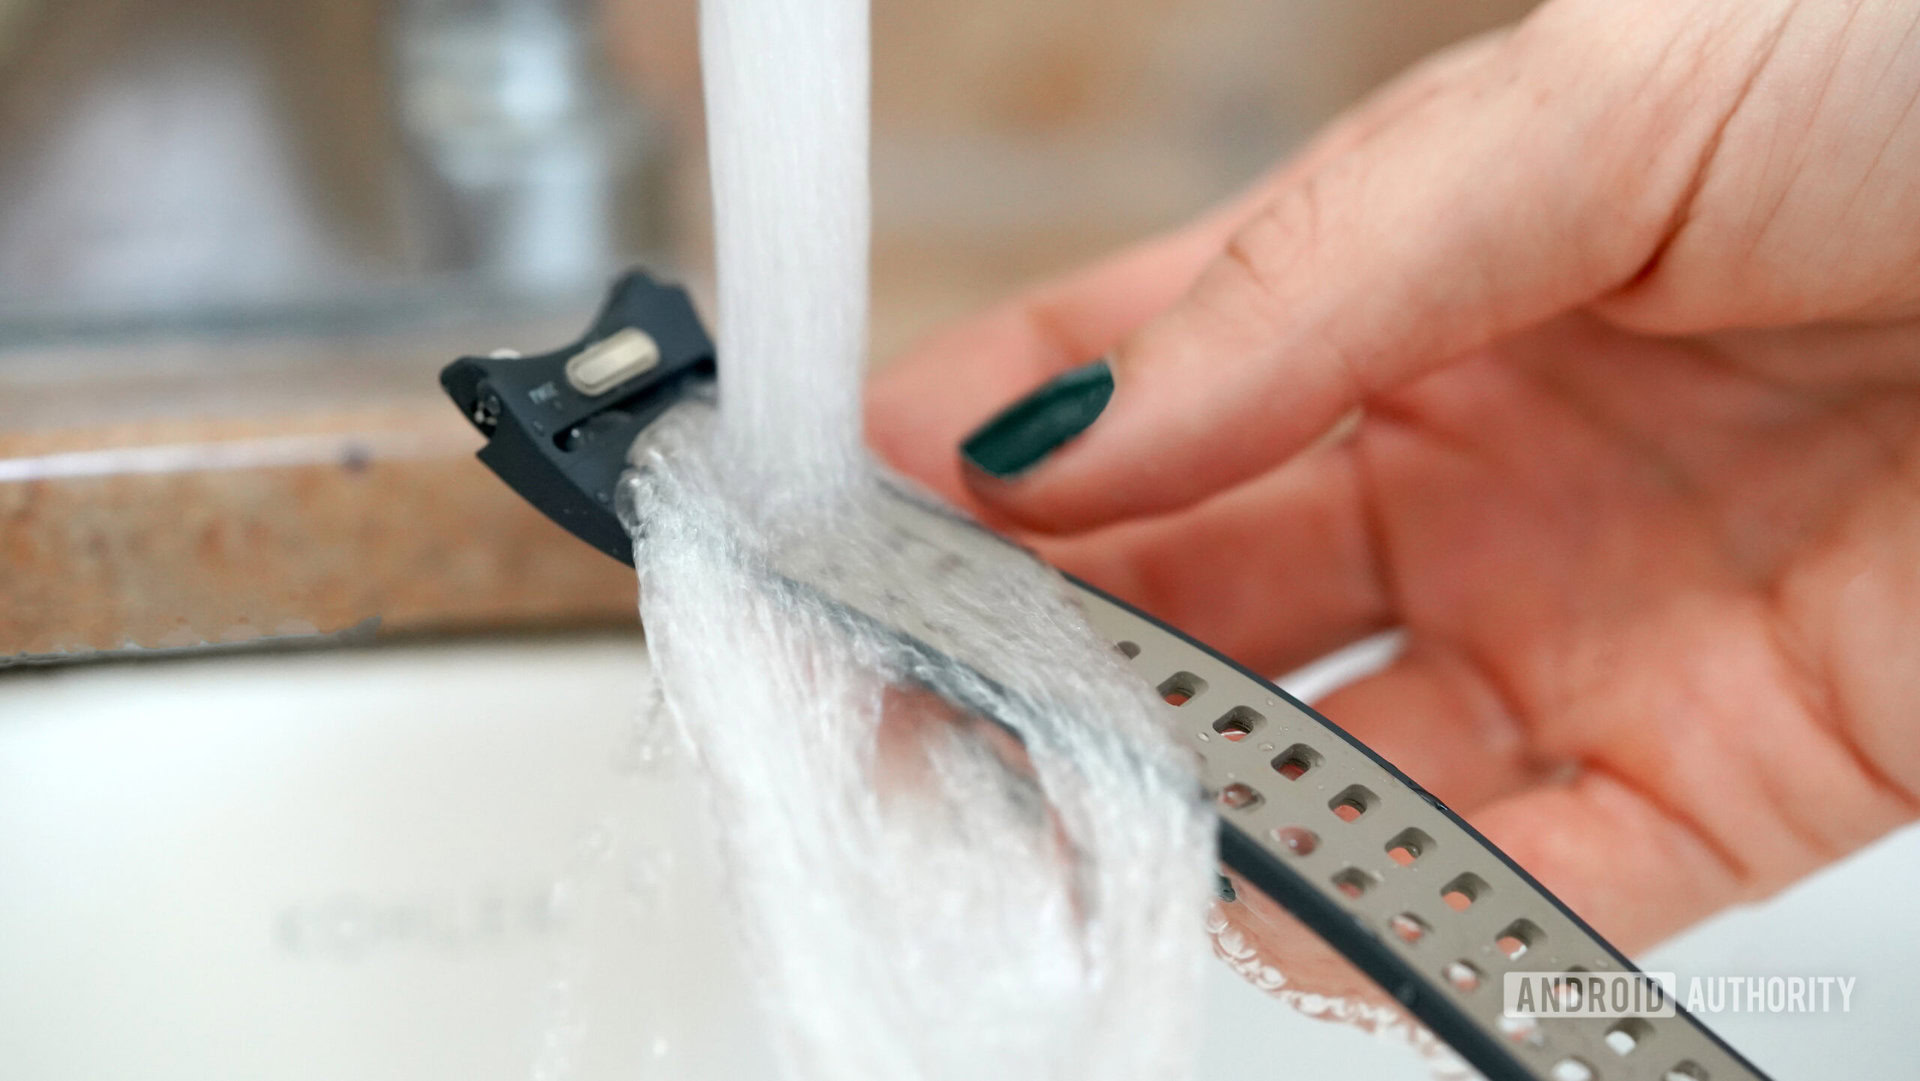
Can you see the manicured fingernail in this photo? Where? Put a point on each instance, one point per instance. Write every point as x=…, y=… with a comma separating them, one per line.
x=1042, y=422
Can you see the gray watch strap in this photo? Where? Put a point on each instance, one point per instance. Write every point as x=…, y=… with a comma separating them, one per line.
x=1373, y=864
x=1399, y=884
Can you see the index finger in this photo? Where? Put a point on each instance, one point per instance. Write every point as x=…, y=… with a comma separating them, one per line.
x=919, y=407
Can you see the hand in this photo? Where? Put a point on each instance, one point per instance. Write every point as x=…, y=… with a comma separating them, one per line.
x=1622, y=310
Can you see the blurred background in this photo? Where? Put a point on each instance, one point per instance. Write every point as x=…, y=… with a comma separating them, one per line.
x=237, y=241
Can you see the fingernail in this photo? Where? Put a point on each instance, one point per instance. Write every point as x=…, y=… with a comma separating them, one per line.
x=1042, y=422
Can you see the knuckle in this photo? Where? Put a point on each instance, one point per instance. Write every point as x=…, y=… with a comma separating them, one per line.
x=1264, y=256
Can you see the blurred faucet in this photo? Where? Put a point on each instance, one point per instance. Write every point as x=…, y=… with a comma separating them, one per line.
x=174, y=157
x=507, y=102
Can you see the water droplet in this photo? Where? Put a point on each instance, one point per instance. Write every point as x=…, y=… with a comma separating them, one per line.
x=650, y=738
x=1300, y=842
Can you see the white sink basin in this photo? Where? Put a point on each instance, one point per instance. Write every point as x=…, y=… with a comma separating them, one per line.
x=447, y=861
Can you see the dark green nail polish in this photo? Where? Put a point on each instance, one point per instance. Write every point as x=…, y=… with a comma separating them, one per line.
x=1039, y=424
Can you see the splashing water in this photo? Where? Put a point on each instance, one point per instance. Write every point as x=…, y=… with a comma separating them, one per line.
x=922, y=896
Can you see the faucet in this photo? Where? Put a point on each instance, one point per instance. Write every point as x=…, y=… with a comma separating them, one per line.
x=170, y=159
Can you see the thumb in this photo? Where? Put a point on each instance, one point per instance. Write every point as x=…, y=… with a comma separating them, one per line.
x=1517, y=186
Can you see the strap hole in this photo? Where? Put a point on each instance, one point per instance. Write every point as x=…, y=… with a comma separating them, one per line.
x=1685, y=1071
x=1462, y=977
x=1181, y=688
x=1628, y=1034
x=1462, y=892
x=1352, y=882
x=1239, y=796
x=1524, y=1031
x=1297, y=840
x=1129, y=650
x=1573, y=1069
x=1519, y=937
x=1238, y=724
x=1408, y=927
x=1296, y=761
x=1408, y=845
x=1352, y=802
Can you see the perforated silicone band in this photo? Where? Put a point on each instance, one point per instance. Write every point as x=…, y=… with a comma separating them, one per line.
x=1364, y=857
x=1395, y=881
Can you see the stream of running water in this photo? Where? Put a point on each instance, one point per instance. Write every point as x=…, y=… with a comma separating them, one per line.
x=921, y=897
